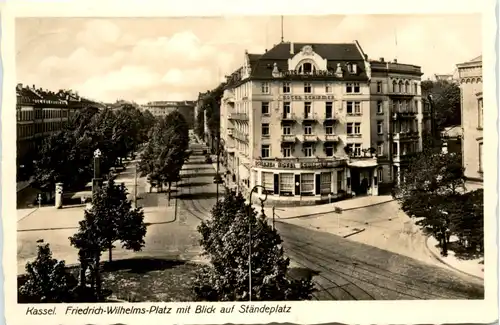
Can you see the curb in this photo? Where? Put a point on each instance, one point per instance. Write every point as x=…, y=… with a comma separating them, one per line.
x=333, y=210
x=440, y=259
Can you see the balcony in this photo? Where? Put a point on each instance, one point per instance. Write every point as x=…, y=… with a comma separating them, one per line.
x=288, y=117
x=404, y=135
x=309, y=138
x=331, y=138
x=240, y=136
x=330, y=118
x=230, y=132
x=238, y=116
x=290, y=138
x=403, y=114
x=400, y=93
x=311, y=117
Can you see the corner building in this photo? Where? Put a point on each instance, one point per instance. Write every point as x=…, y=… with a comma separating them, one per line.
x=300, y=121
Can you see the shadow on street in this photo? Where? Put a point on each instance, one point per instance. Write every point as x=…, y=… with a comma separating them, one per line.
x=199, y=196
x=193, y=175
x=193, y=184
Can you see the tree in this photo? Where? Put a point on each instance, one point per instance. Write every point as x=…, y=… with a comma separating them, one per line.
x=446, y=98
x=47, y=280
x=225, y=240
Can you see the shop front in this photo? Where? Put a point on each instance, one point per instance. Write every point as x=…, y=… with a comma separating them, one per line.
x=363, y=176
x=301, y=181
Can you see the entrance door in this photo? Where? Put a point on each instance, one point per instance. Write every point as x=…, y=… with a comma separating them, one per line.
x=355, y=181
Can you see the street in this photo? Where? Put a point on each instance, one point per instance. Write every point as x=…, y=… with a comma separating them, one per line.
x=343, y=269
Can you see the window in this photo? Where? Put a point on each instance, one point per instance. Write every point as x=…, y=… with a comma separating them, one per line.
x=340, y=178
x=395, y=150
x=265, y=152
x=380, y=107
x=349, y=107
x=328, y=88
x=268, y=182
x=307, y=87
x=286, y=109
x=357, y=108
x=350, y=128
x=352, y=68
x=356, y=87
x=326, y=183
x=307, y=183
x=380, y=127
x=307, y=109
x=415, y=88
x=407, y=87
x=357, y=149
x=348, y=88
x=265, y=130
x=480, y=157
x=308, y=150
x=265, y=88
x=287, y=152
x=286, y=87
x=287, y=183
x=329, y=129
x=379, y=86
x=380, y=149
x=307, y=68
x=394, y=86
x=480, y=113
x=287, y=129
x=328, y=109
x=380, y=175
x=265, y=108
x=400, y=88
x=329, y=151
x=357, y=128
x=308, y=129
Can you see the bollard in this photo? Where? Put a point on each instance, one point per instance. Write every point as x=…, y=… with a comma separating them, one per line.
x=59, y=194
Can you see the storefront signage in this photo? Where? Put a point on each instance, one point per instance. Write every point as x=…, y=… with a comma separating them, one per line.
x=305, y=97
x=286, y=164
x=267, y=164
x=305, y=165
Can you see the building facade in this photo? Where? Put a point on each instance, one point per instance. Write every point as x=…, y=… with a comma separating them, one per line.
x=471, y=91
x=315, y=122
x=39, y=113
x=163, y=108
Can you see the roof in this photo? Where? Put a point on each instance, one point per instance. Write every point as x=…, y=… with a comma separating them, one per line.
x=474, y=61
x=452, y=131
x=477, y=59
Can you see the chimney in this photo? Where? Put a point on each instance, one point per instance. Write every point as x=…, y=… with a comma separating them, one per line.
x=381, y=59
x=366, y=57
x=19, y=86
x=34, y=88
x=395, y=60
x=291, y=48
x=265, y=50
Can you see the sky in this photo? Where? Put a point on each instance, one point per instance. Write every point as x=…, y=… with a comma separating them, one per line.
x=149, y=59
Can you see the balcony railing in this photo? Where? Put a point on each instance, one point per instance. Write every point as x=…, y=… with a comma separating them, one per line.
x=311, y=117
x=403, y=114
x=238, y=116
x=331, y=138
x=288, y=117
x=309, y=138
x=240, y=136
x=288, y=138
x=230, y=131
x=404, y=135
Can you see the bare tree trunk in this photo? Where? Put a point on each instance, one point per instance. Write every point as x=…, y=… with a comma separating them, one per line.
x=97, y=275
x=110, y=250
x=169, y=188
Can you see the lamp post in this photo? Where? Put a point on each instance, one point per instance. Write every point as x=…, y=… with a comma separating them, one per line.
x=250, y=236
x=97, y=171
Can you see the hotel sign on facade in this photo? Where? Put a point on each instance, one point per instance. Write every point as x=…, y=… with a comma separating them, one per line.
x=298, y=165
x=306, y=97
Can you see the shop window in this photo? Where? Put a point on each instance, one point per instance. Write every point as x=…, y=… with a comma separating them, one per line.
x=286, y=184
x=307, y=184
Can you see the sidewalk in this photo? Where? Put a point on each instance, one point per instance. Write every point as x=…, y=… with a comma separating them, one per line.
x=469, y=267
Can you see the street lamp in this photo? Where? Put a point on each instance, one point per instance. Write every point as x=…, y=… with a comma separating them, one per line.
x=97, y=171
x=250, y=236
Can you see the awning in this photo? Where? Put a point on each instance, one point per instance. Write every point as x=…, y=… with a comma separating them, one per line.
x=368, y=163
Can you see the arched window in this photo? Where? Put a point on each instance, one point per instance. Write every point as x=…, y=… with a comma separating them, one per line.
x=394, y=86
x=407, y=87
x=400, y=86
x=307, y=68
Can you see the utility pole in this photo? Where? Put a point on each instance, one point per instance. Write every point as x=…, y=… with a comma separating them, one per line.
x=217, y=171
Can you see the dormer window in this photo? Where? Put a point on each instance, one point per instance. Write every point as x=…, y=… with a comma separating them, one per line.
x=352, y=67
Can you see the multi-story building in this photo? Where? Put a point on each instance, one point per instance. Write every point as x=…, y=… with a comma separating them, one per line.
x=40, y=113
x=309, y=122
x=163, y=108
x=471, y=91
x=397, y=114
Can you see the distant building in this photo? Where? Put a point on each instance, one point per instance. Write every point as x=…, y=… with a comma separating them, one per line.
x=471, y=89
x=163, y=108
x=310, y=122
x=39, y=113
x=452, y=139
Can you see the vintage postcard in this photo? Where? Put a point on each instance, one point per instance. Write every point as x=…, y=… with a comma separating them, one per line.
x=192, y=163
